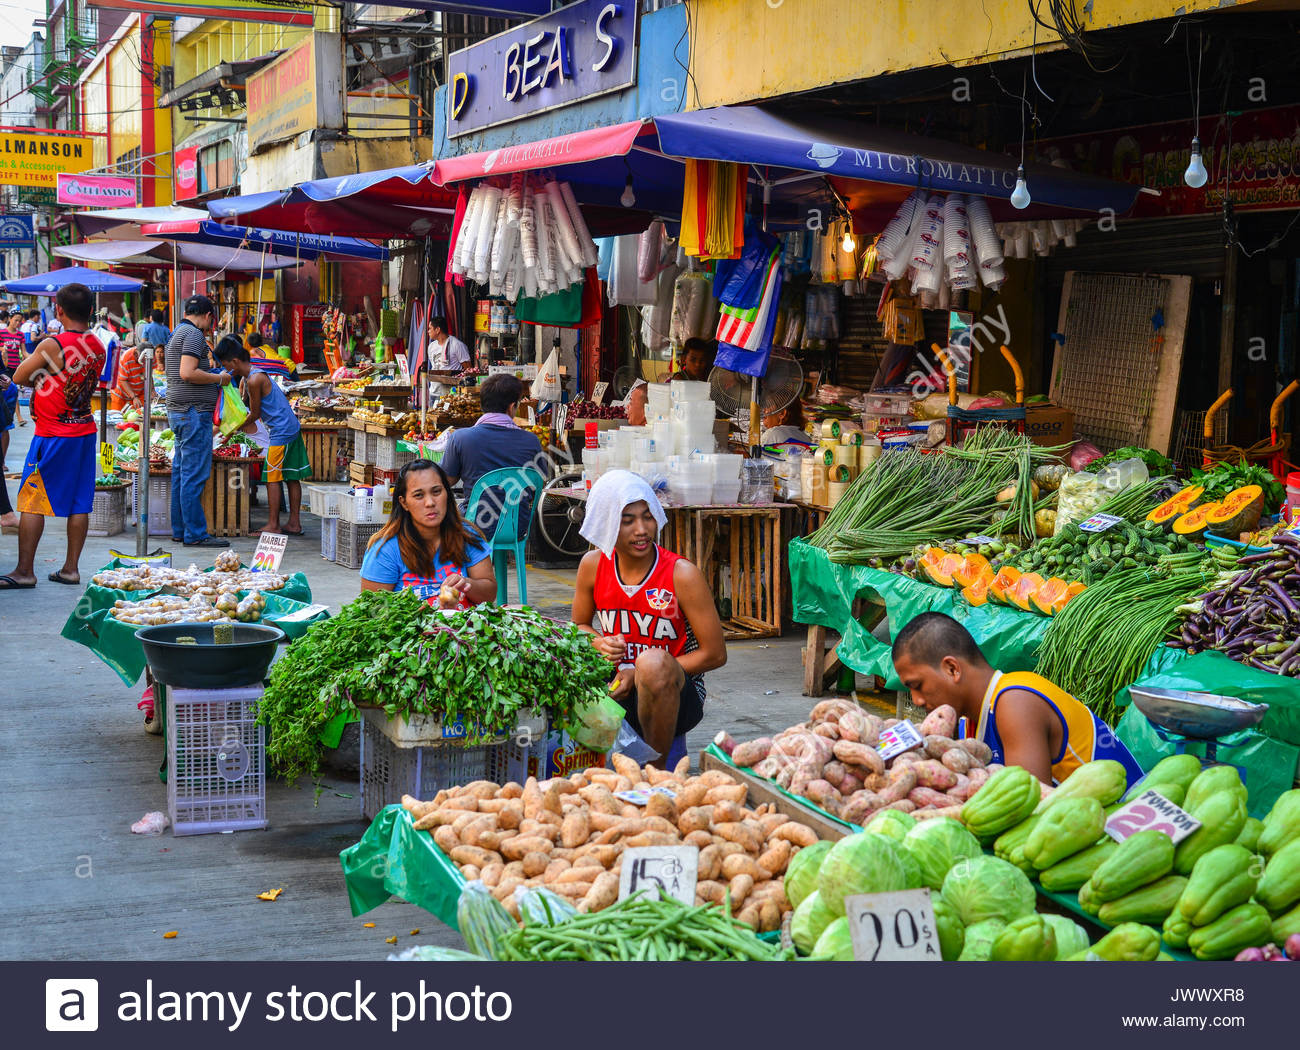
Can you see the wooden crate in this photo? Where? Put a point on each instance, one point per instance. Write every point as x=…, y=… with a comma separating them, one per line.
x=322, y=452
x=746, y=542
x=361, y=473
x=226, y=496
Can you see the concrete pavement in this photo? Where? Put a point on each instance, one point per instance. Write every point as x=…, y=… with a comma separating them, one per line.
x=76, y=769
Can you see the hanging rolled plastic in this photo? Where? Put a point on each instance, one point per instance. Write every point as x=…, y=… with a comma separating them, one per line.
x=528, y=230
x=649, y=251
x=493, y=211
x=515, y=199
x=568, y=238
x=545, y=257
x=988, y=248
x=464, y=254
x=586, y=245
x=898, y=231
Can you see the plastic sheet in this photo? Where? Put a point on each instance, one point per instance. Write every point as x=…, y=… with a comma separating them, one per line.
x=695, y=311
x=625, y=288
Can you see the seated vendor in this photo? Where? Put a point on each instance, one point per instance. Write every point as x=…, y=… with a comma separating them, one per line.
x=1023, y=717
x=426, y=545
x=650, y=612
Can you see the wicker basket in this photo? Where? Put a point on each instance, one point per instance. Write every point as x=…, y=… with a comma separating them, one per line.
x=108, y=512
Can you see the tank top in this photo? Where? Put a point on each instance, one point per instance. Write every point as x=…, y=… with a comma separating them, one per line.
x=278, y=414
x=647, y=614
x=1084, y=737
x=62, y=402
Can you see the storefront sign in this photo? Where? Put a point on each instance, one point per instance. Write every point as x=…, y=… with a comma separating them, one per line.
x=893, y=927
x=232, y=10
x=187, y=173
x=1262, y=165
x=302, y=90
x=652, y=870
x=17, y=231
x=585, y=49
x=34, y=158
x=96, y=191
x=1151, y=811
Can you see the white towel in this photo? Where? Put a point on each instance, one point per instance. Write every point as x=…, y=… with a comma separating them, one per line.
x=614, y=490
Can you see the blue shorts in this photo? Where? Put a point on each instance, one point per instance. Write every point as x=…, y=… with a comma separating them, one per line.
x=59, y=476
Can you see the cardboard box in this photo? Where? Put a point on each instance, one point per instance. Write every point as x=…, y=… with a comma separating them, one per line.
x=1049, y=424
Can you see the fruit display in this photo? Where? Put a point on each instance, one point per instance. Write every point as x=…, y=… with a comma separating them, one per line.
x=391, y=420
x=469, y=375
x=315, y=420
x=460, y=406
x=834, y=761
x=568, y=835
x=188, y=583
x=581, y=409
x=1250, y=615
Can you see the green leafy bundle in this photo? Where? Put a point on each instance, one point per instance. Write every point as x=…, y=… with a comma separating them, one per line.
x=486, y=667
x=1155, y=461
x=1228, y=477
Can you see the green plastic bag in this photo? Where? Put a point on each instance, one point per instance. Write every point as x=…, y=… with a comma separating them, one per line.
x=595, y=724
x=230, y=412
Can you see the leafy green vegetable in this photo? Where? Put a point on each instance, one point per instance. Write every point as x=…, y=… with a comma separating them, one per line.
x=486, y=667
x=1227, y=477
x=1156, y=463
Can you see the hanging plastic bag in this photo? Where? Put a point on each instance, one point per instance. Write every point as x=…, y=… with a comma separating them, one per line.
x=230, y=412
x=482, y=920
x=595, y=725
x=547, y=386
x=542, y=907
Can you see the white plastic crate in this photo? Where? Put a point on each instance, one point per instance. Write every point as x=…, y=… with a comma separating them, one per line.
x=329, y=538
x=358, y=508
x=388, y=771
x=387, y=454
x=424, y=730
x=160, y=503
x=324, y=502
x=364, y=447
x=216, y=760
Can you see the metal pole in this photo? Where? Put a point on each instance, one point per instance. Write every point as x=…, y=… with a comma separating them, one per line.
x=145, y=355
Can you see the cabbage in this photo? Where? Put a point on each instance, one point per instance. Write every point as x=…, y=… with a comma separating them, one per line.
x=952, y=934
x=911, y=869
x=810, y=918
x=979, y=940
x=892, y=822
x=988, y=888
x=835, y=944
x=1071, y=938
x=937, y=845
x=801, y=875
x=860, y=863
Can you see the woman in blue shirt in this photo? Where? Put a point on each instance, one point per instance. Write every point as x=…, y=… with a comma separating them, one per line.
x=426, y=545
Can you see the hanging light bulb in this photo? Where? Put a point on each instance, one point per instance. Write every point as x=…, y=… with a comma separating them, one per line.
x=629, y=198
x=1020, y=198
x=848, y=243
x=1195, y=175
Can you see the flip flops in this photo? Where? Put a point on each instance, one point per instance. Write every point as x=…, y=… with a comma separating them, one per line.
x=55, y=577
x=8, y=583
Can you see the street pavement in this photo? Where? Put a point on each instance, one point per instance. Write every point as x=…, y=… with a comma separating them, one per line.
x=77, y=769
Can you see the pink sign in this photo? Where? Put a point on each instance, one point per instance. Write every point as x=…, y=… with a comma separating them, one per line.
x=96, y=191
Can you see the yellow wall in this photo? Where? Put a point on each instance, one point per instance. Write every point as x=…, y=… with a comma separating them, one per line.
x=745, y=50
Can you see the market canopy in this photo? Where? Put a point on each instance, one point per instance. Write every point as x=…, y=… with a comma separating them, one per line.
x=124, y=223
x=239, y=236
x=50, y=282
x=162, y=254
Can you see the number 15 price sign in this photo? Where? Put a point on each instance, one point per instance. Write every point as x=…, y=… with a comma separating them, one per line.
x=893, y=927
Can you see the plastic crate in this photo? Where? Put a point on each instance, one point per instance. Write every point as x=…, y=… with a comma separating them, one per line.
x=1211, y=540
x=216, y=761
x=426, y=730
x=108, y=512
x=352, y=542
x=160, y=503
x=324, y=502
x=329, y=538
x=363, y=447
x=358, y=508
x=387, y=454
x=897, y=403
x=388, y=771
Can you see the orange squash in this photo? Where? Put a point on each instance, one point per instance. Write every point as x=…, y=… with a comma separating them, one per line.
x=941, y=572
x=1071, y=592
x=1194, y=522
x=1002, y=583
x=1239, y=511
x=973, y=567
x=932, y=555
x=1179, y=503
x=1048, y=594
x=977, y=593
x=1021, y=594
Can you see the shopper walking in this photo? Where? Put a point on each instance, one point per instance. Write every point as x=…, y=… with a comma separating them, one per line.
x=59, y=475
x=155, y=332
x=192, y=388
x=13, y=348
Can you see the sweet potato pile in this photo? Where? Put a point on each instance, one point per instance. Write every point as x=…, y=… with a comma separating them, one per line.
x=569, y=835
x=832, y=761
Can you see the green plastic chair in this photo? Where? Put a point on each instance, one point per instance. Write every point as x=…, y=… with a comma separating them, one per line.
x=517, y=484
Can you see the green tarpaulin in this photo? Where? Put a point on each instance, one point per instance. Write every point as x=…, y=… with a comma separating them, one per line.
x=394, y=860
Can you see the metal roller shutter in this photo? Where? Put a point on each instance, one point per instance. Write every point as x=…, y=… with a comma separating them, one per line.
x=1192, y=246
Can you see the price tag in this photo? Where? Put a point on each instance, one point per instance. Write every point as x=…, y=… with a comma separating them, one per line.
x=978, y=541
x=899, y=738
x=1100, y=523
x=561, y=418
x=270, y=549
x=1151, y=811
x=598, y=393
x=303, y=615
x=893, y=927
x=404, y=367
x=640, y=798
x=670, y=870
x=105, y=458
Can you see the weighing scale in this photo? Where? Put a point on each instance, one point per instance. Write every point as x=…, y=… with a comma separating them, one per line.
x=1180, y=717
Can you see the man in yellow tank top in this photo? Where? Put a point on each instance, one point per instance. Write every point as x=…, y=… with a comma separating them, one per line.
x=1025, y=719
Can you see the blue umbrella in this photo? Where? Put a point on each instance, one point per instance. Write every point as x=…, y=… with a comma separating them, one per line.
x=49, y=283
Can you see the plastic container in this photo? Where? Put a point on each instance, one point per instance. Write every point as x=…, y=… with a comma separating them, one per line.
x=659, y=401
x=727, y=491
x=695, y=413
x=758, y=481
x=691, y=470
x=329, y=538
x=1291, y=508
x=216, y=759
x=690, y=495
x=204, y=664
x=323, y=502
x=726, y=466
x=687, y=390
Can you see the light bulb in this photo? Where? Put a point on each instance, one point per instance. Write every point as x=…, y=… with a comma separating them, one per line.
x=848, y=244
x=1195, y=175
x=1020, y=198
x=629, y=198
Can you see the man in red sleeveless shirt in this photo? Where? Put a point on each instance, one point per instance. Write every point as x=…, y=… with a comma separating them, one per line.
x=59, y=475
x=650, y=612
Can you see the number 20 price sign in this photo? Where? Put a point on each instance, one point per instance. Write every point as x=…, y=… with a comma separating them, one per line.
x=893, y=927
x=1151, y=811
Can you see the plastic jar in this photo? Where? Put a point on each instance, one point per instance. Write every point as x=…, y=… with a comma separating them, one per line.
x=1292, y=509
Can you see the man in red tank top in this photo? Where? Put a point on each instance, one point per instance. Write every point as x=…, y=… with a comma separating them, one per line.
x=59, y=475
x=650, y=612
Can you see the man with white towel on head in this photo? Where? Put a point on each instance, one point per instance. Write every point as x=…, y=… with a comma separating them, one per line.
x=650, y=614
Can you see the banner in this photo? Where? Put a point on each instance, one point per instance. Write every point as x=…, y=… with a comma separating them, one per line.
x=29, y=157
x=234, y=10
x=97, y=191
x=1261, y=166
x=187, y=173
x=17, y=231
x=302, y=90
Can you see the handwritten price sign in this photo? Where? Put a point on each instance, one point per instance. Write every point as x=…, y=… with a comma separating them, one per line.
x=654, y=870
x=899, y=738
x=1151, y=811
x=893, y=927
x=270, y=549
